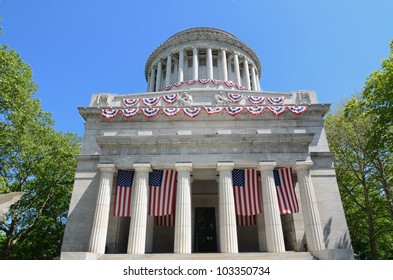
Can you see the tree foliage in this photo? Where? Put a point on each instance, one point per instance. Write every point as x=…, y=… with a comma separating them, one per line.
x=360, y=134
x=35, y=159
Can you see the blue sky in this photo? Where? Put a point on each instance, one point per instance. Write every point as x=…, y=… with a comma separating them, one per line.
x=80, y=47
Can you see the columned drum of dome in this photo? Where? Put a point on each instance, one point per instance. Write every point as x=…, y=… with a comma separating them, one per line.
x=205, y=164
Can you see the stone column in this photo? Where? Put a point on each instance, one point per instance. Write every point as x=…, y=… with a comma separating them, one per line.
x=209, y=63
x=246, y=73
x=149, y=234
x=237, y=67
x=254, y=79
x=224, y=66
x=181, y=66
x=183, y=234
x=159, y=76
x=273, y=227
x=258, y=85
x=168, y=70
x=101, y=215
x=152, y=78
x=139, y=202
x=312, y=221
x=195, y=63
x=226, y=201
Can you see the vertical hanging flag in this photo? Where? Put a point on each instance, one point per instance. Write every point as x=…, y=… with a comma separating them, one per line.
x=162, y=185
x=246, y=221
x=123, y=193
x=287, y=200
x=246, y=192
x=165, y=221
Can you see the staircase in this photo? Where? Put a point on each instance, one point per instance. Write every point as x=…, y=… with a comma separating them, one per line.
x=212, y=256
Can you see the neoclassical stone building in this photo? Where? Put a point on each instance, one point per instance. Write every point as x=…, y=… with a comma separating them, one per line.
x=203, y=121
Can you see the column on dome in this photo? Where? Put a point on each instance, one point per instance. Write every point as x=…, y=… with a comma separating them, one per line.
x=224, y=65
x=183, y=233
x=312, y=221
x=195, y=63
x=254, y=78
x=180, y=73
x=102, y=209
x=258, y=85
x=139, y=203
x=209, y=63
x=159, y=76
x=227, y=215
x=168, y=70
x=152, y=78
x=246, y=75
x=237, y=68
x=273, y=227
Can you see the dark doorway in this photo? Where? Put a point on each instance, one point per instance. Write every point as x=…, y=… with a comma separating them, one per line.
x=205, y=230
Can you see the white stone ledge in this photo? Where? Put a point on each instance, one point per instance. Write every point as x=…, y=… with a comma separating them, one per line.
x=145, y=133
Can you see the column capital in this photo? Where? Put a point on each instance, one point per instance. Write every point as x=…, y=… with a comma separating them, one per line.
x=195, y=49
x=106, y=167
x=183, y=166
x=142, y=167
x=301, y=165
x=225, y=166
x=267, y=165
x=223, y=49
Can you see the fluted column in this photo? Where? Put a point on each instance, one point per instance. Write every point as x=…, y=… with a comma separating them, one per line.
x=258, y=85
x=209, y=63
x=228, y=233
x=139, y=202
x=224, y=66
x=195, y=63
x=246, y=74
x=312, y=220
x=149, y=234
x=273, y=227
x=237, y=67
x=181, y=66
x=183, y=234
x=254, y=79
x=101, y=215
x=159, y=76
x=168, y=70
x=152, y=78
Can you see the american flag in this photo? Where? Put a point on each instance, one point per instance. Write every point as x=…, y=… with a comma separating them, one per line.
x=287, y=200
x=162, y=185
x=165, y=221
x=246, y=220
x=123, y=193
x=246, y=192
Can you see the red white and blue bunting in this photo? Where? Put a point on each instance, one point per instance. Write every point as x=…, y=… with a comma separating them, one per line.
x=213, y=110
x=256, y=110
x=276, y=100
x=130, y=112
x=170, y=112
x=170, y=99
x=256, y=99
x=229, y=84
x=151, y=101
x=234, y=97
x=150, y=112
x=130, y=101
x=109, y=113
x=192, y=112
x=277, y=110
x=233, y=111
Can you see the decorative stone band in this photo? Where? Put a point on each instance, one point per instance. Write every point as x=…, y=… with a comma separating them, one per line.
x=194, y=111
x=232, y=97
x=229, y=84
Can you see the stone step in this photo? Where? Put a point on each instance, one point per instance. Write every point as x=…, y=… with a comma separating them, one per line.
x=212, y=256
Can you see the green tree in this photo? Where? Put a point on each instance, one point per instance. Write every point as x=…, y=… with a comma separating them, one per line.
x=35, y=159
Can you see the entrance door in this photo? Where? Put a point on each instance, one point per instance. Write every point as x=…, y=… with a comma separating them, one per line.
x=205, y=230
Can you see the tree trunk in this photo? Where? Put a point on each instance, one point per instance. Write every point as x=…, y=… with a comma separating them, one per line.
x=371, y=229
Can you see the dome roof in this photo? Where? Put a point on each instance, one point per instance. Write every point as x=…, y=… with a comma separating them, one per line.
x=201, y=33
